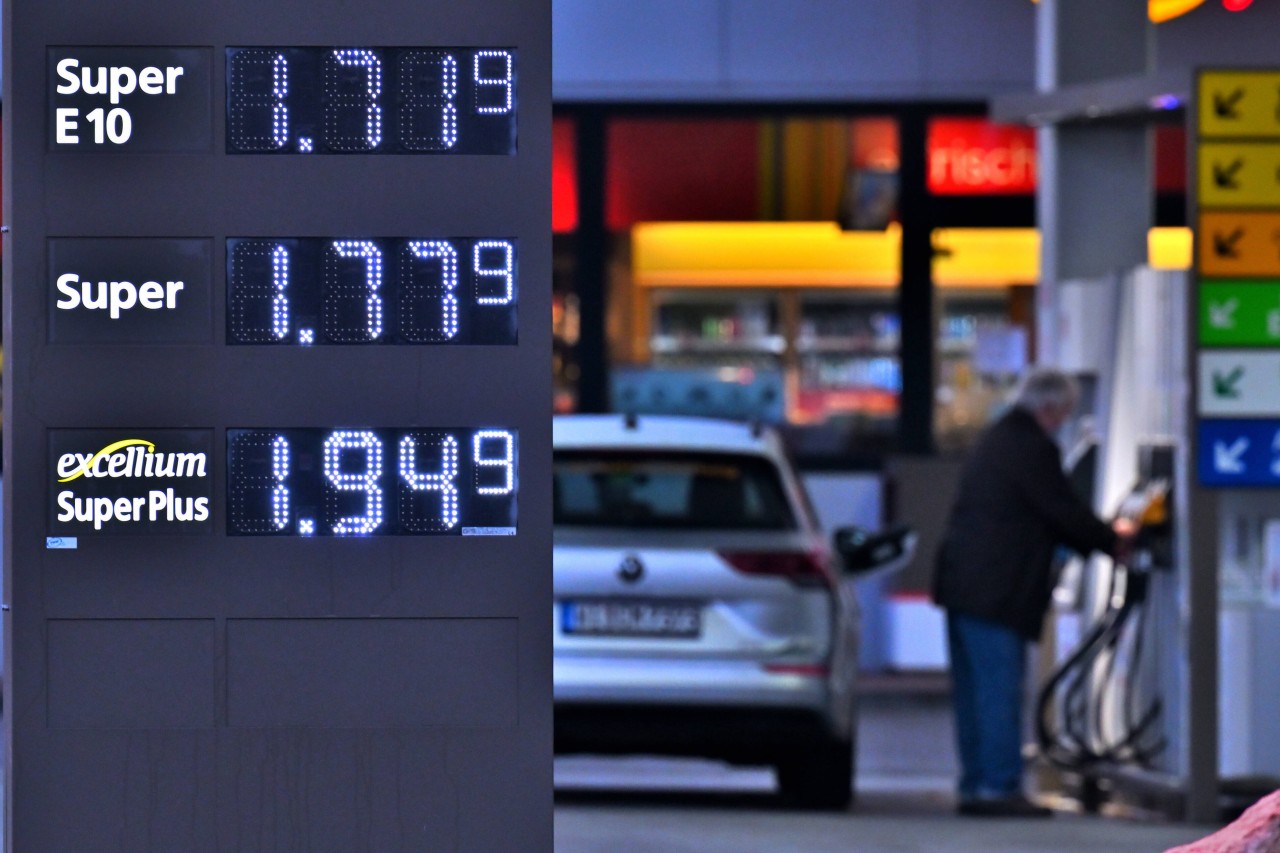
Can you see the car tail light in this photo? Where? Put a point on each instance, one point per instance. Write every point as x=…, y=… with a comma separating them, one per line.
x=821, y=670
x=802, y=569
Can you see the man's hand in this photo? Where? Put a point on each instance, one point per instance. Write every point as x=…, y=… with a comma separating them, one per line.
x=1127, y=533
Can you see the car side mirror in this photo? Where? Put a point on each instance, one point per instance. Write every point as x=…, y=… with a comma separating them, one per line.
x=863, y=552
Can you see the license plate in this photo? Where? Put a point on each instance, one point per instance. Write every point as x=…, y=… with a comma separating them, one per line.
x=613, y=618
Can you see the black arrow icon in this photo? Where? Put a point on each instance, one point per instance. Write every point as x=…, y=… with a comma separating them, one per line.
x=1226, y=386
x=1224, y=177
x=1225, y=246
x=1224, y=106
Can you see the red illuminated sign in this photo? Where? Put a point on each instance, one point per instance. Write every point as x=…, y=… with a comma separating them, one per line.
x=972, y=156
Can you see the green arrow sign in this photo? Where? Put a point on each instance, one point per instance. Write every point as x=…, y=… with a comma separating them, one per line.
x=1240, y=313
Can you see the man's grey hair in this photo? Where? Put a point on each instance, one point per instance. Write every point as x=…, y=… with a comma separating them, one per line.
x=1046, y=388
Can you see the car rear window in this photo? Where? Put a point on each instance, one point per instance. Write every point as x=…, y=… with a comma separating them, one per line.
x=669, y=490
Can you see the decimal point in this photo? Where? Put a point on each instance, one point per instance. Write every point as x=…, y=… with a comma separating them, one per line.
x=306, y=337
x=305, y=145
x=306, y=527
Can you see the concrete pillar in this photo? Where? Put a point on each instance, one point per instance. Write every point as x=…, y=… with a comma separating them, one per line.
x=1095, y=201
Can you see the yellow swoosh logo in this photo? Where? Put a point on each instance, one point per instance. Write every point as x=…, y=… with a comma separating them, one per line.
x=110, y=448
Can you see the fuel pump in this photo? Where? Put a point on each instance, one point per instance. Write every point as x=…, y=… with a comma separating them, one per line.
x=1096, y=710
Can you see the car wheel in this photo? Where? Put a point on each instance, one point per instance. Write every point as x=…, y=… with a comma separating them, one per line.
x=818, y=777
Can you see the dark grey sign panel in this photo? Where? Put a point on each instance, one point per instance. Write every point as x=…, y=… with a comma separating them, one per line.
x=130, y=291
x=278, y=540
x=130, y=99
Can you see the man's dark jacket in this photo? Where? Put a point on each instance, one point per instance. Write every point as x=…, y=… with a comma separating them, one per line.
x=1013, y=509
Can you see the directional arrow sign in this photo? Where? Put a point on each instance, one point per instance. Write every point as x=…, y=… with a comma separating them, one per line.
x=1227, y=459
x=1226, y=104
x=1239, y=243
x=1222, y=315
x=1239, y=382
x=1238, y=103
x=1226, y=386
x=1239, y=313
x=1225, y=175
x=1238, y=453
x=1226, y=244
x=1239, y=174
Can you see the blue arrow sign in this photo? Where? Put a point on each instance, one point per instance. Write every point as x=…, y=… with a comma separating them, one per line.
x=1239, y=453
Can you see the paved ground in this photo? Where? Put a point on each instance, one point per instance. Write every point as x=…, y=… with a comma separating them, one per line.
x=650, y=806
x=905, y=777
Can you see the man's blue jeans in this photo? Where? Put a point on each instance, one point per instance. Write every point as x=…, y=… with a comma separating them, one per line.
x=988, y=663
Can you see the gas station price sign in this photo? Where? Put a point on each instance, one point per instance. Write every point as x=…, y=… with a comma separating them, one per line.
x=273, y=397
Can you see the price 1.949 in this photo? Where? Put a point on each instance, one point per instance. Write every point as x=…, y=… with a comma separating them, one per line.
x=368, y=482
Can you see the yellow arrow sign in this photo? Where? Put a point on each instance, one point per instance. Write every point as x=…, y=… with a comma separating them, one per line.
x=1239, y=174
x=1239, y=103
x=1238, y=244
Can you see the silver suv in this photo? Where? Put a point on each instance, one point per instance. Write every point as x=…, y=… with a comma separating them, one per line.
x=699, y=610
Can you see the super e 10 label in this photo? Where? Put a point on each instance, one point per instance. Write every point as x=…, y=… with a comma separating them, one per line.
x=129, y=98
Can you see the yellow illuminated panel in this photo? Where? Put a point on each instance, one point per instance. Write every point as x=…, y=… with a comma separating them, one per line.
x=763, y=254
x=1238, y=103
x=819, y=254
x=1169, y=248
x=991, y=257
x=1239, y=174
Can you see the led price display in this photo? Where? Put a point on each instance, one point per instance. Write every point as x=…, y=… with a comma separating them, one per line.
x=358, y=100
x=369, y=482
x=371, y=291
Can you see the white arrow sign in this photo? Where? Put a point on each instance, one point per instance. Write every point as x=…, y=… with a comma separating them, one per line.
x=1226, y=460
x=1222, y=315
x=1239, y=383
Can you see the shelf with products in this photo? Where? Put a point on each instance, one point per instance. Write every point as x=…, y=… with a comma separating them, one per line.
x=847, y=362
x=984, y=344
x=715, y=324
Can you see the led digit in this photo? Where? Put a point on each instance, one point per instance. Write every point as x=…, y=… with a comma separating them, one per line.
x=258, y=118
x=280, y=492
x=339, y=448
x=352, y=114
x=504, y=460
x=499, y=66
x=345, y=301
x=429, y=89
x=258, y=280
x=443, y=480
x=429, y=274
x=258, y=468
x=280, y=284
x=503, y=271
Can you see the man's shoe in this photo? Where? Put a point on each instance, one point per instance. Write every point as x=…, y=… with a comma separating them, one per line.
x=1014, y=805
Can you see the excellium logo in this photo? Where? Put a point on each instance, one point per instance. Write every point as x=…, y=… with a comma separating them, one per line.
x=130, y=459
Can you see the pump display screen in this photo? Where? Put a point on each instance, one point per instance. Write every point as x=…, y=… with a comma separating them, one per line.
x=316, y=290
x=359, y=100
x=371, y=482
